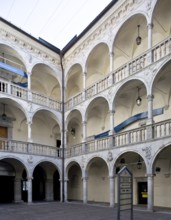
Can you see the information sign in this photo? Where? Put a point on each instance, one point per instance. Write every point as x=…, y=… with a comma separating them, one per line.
x=125, y=192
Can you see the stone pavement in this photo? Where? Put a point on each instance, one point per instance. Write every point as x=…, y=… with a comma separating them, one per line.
x=73, y=211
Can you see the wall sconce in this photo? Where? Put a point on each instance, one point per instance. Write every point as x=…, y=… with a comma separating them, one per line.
x=158, y=169
x=138, y=100
x=138, y=39
x=73, y=132
x=139, y=164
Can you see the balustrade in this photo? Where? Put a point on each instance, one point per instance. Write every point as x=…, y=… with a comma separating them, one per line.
x=158, y=52
x=77, y=99
x=3, y=87
x=73, y=151
x=162, y=49
x=19, y=92
x=162, y=129
x=29, y=148
x=91, y=91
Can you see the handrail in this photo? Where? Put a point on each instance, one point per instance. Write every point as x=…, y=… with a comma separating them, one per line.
x=15, y=146
x=121, y=139
x=157, y=52
x=23, y=93
x=133, y=136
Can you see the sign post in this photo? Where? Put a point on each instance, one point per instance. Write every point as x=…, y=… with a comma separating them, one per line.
x=125, y=192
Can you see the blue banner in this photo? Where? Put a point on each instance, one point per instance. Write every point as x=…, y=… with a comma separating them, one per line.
x=129, y=121
x=13, y=69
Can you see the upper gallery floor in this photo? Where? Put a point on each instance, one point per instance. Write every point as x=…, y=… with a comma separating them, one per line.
x=106, y=76
x=111, y=54
x=105, y=55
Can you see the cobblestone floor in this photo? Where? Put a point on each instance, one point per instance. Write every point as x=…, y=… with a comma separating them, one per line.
x=73, y=211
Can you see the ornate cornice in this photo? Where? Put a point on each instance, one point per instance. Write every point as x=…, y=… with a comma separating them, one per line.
x=100, y=32
x=28, y=47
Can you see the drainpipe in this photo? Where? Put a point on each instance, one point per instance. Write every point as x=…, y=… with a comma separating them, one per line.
x=63, y=127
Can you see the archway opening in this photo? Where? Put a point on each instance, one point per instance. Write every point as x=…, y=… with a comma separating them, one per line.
x=98, y=181
x=56, y=186
x=7, y=177
x=75, y=183
x=39, y=184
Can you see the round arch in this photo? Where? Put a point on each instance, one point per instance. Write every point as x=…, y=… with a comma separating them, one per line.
x=97, y=113
x=97, y=63
x=74, y=177
x=11, y=179
x=98, y=180
x=46, y=181
x=161, y=170
x=12, y=53
x=126, y=19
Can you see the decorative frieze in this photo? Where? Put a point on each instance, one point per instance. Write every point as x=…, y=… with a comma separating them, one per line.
x=100, y=32
x=28, y=47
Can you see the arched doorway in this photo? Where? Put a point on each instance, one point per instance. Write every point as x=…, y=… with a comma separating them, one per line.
x=24, y=186
x=39, y=184
x=135, y=163
x=75, y=192
x=7, y=177
x=162, y=178
x=56, y=186
x=46, y=182
x=98, y=181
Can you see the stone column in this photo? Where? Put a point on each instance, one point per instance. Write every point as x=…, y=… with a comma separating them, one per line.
x=150, y=27
x=65, y=190
x=29, y=124
x=29, y=131
x=111, y=62
x=49, y=190
x=150, y=107
x=85, y=191
x=84, y=123
x=150, y=180
x=65, y=139
x=29, y=189
x=112, y=191
x=84, y=85
x=17, y=190
x=111, y=133
x=29, y=80
x=112, y=112
x=150, y=117
x=29, y=86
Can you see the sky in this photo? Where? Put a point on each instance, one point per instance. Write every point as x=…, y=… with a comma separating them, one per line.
x=56, y=21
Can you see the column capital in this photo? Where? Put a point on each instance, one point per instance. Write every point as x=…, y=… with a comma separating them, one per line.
x=150, y=97
x=29, y=122
x=84, y=122
x=112, y=111
x=150, y=175
x=65, y=180
x=29, y=73
x=150, y=25
x=84, y=178
x=112, y=177
x=111, y=54
x=29, y=178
